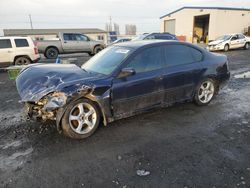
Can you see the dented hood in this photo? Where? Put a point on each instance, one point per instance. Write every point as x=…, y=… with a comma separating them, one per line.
x=38, y=80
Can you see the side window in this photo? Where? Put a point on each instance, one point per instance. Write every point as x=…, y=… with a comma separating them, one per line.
x=21, y=43
x=235, y=37
x=5, y=43
x=81, y=37
x=147, y=60
x=181, y=54
x=68, y=36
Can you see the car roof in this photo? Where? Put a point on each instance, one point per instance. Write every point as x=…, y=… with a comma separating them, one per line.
x=13, y=37
x=143, y=43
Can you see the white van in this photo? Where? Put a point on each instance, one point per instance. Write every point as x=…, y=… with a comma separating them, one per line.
x=17, y=51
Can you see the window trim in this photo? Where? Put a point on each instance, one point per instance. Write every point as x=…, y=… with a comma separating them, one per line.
x=165, y=57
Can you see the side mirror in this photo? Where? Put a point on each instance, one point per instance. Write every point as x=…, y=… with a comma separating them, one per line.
x=125, y=72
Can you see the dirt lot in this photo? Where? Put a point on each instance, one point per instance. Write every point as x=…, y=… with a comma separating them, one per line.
x=181, y=146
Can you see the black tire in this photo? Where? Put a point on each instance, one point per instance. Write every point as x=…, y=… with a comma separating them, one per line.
x=198, y=93
x=22, y=61
x=246, y=47
x=97, y=49
x=51, y=53
x=67, y=125
x=91, y=54
x=226, y=48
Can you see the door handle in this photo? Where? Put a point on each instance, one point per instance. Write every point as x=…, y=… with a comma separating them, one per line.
x=9, y=51
x=65, y=41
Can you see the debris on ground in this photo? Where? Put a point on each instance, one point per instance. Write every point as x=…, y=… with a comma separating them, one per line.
x=142, y=172
x=119, y=157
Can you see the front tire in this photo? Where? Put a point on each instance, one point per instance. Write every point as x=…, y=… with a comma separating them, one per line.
x=81, y=119
x=205, y=92
x=246, y=47
x=226, y=48
x=97, y=49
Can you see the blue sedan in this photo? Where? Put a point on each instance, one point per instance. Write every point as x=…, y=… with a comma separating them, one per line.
x=120, y=81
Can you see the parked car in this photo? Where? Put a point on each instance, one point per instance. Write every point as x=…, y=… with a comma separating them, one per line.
x=122, y=80
x=69, y=43
x=120, y=40
x=152, y=36
x=230, y=41
x=17, y=51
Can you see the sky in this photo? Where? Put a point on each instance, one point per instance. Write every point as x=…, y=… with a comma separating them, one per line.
x=14, y=14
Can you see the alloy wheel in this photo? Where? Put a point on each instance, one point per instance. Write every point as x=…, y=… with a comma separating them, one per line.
x=206, y=92
x=82, y=118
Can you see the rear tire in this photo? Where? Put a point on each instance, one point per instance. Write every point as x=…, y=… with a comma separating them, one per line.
x=226, y=48
x=246, y=47
x=81, y=119
x=22, y=61
x=51, y=53
x=205, y=92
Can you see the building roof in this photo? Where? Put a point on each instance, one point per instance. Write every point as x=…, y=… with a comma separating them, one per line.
x=218, y=8
x=13, y=32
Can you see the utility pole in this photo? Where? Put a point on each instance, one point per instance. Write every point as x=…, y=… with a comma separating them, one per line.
x=31, y=25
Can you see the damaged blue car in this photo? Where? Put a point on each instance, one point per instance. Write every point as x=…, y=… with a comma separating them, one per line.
x=120, y=81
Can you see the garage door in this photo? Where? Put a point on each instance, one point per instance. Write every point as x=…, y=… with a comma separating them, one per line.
x=170, y=26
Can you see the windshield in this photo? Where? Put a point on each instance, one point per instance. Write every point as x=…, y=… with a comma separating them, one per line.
x=224, y=37
x=106, y=61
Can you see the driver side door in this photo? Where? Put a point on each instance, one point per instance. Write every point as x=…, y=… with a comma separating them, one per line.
x=234, y=42
x=140, y=91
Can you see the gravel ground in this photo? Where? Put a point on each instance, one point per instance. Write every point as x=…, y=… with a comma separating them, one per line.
x=181, y=146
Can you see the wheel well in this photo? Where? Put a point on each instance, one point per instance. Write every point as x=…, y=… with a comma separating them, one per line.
x=217, y=83
x=21, y=56
x=62, y=111
x=98, y=45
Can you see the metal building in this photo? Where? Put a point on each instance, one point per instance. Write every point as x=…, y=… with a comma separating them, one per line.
x=200, y=24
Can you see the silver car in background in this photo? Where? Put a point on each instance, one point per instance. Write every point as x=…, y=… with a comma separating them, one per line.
x=230, y=41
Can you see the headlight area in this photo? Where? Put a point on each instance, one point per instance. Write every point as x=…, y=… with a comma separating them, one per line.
x=45, y=108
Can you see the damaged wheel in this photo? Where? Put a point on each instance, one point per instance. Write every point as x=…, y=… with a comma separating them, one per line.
x=81, y=119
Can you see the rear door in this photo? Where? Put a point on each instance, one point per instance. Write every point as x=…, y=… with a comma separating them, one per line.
x=182, y=73
x=6, y=52
x=242, y=40
x=142, y=90
x=69, y=42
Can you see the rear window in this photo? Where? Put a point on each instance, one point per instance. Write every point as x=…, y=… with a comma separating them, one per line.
x=21, y=43
x=5, y=43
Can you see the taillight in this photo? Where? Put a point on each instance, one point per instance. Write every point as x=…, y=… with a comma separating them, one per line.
x=36, y=50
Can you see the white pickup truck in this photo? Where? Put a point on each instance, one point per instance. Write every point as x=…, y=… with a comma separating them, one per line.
x=69, y=43
x=230, y=41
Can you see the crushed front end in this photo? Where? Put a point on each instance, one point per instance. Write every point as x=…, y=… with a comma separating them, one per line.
x=46, y=108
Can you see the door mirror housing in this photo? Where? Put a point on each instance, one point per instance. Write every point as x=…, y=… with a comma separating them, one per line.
x=125, y=72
